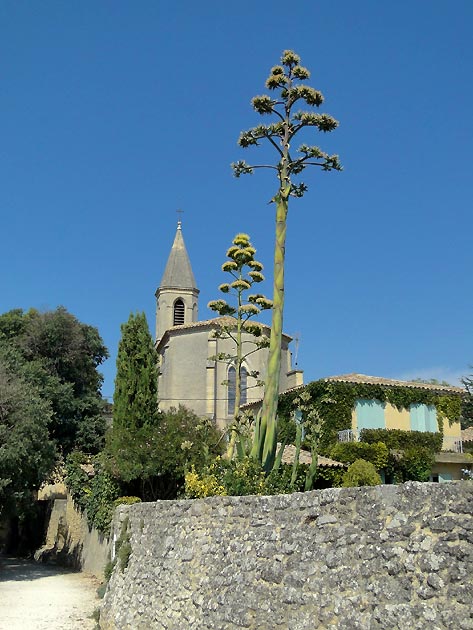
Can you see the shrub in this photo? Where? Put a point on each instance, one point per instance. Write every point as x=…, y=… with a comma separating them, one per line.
x=348, y=452
x=361, y=473
x=398, y=439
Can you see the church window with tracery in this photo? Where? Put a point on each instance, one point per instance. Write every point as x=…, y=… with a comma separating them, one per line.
x=178, y=319
x=232, y=388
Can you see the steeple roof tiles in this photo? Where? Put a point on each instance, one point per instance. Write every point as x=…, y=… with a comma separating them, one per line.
x=178, y=272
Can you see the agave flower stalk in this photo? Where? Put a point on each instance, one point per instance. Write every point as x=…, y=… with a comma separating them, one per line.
x=286, y=81
x=245, y=271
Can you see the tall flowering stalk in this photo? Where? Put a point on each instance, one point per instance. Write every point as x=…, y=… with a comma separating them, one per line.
x=286, y=81
x=245, y=271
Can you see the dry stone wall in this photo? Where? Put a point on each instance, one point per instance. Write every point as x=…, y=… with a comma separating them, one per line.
x=367, y=558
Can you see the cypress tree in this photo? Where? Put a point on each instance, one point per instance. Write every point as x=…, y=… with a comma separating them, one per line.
x=135, y=400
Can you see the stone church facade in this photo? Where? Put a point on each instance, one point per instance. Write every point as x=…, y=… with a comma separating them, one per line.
x=188, y=374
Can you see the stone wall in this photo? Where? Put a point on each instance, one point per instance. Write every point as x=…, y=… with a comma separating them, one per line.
x=367, y=558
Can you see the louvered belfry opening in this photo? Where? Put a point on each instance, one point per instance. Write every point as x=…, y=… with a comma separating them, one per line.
x=178, y=313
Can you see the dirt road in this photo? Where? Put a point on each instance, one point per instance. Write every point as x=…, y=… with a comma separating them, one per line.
x=38, y=597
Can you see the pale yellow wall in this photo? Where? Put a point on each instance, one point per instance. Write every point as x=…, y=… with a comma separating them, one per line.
x=451, y=430
x=453, y=469
x=396, y=419
x=188, y=376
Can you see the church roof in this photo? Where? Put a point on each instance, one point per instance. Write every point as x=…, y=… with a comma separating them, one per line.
x=178, y=273
x=216, y=322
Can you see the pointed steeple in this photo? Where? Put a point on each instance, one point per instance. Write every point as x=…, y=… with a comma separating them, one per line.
x=178, y=273
x=177, y=294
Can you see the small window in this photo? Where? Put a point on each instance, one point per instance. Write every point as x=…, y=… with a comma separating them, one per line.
x=178, y=313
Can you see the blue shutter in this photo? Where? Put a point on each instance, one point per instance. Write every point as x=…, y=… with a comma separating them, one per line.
x=423, y=418
x=431, y=419
x=231, y=390
x=370, y=414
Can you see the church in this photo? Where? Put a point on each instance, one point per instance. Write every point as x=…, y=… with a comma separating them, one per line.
x=188, y=372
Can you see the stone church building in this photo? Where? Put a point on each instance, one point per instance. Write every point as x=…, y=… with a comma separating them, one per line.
x=188, y=374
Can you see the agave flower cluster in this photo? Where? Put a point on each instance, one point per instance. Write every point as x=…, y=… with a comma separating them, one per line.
x=286, y=80
x=246, y=271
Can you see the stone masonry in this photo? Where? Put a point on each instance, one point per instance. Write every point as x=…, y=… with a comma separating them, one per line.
x=352, y=558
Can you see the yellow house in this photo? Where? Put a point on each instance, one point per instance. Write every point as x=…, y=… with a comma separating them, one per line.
x=370, y=413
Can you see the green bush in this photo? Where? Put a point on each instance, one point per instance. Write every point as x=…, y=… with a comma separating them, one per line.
x=361, y=473
x=348, y=452
x=93, y=493
x=126, y=501
x=398, y=439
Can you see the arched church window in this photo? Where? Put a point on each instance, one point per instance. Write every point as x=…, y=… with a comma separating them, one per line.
x=178, y=318
x=232, y=388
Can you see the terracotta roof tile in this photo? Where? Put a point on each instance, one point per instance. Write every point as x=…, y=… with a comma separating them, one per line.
x=389, y=382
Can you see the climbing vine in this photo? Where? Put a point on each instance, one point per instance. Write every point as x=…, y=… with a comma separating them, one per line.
x=336, y=400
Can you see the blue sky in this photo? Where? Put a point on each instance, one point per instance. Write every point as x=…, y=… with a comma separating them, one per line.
x=114, y=114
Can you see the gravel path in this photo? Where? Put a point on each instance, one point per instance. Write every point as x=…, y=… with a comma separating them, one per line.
x=39, y=597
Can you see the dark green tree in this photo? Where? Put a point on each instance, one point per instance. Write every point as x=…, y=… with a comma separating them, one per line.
x=59, y=356
x=286, y=83
x=467, y=406
x=27, y=454
x=135, y=401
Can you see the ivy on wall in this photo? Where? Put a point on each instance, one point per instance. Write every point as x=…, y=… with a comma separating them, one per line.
x=335, y=401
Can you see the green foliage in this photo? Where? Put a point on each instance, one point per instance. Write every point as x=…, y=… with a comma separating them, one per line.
x=92, y=489
x=151, y=460
x=27, y=454
x=348, y=452
x=361, y=473
x=413, y=464
x=59, y=356
x=467, y=403
x=285, y=81
x=135, y=401
x=398, y=439
x=335, y=402
x=239, y=477
x=126, y=501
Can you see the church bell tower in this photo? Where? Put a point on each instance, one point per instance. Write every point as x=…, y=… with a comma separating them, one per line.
x=177, y=294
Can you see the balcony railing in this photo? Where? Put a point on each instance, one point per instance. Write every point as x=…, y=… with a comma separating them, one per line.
x=452, y=444
x=347, y=436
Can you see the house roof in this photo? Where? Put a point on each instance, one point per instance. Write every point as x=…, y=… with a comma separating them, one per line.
x=306, y=458
x=389, y=382
x=467, y=435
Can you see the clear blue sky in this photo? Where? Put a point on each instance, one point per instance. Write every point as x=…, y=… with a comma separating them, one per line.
x=116, y=113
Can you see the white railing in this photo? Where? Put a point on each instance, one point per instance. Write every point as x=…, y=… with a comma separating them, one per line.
x=452, y=444
x=347, y=436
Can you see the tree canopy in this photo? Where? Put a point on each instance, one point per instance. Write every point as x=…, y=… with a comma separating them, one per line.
x=59, y=355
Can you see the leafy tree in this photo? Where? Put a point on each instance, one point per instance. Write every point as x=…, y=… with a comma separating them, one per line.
x=150, y=461
x=59, y=356
x=135, y=401
x=467, y=407
x=247, y=335
x=286, y=81
x=27, y=454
